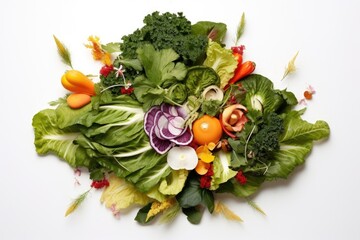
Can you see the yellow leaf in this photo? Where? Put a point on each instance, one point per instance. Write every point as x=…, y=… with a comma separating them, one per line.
x=220, y=208
x=121, y=194
x=291, y=66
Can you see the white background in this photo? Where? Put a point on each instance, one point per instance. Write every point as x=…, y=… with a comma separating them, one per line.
x=320, y=200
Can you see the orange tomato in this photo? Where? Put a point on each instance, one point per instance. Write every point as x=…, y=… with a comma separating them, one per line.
x=207, y=129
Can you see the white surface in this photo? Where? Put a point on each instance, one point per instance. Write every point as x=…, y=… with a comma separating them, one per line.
x=319, y=201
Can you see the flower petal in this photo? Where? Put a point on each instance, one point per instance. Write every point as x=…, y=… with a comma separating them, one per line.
x=202, y=167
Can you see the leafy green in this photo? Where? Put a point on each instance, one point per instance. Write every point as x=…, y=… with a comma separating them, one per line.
x=211, y=107
x=174, y=183
x=109, y=139
x=133, y=63
x=222, y=171
x=261, y=96
x=274, y=141
x=266, y=140
x=193, y=195
x=194, y=214
x=121, y=194
x=222, y=61
x=166, y=31
x=295, y=144
x=200, y=77
x=252, y=185
x=50, y=138
x=159, y=67
x=176, y=93
x=141, y=216
x=111, y=47
x=214, y=31
x=67, y=116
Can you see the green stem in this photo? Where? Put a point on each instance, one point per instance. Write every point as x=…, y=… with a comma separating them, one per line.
x=247, y=141
x=172, y=102
x=112, y=86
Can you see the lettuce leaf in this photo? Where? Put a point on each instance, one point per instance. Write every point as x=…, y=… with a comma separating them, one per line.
x=295, y=144
x=121, y=194
x=222, y=61
x=213, y=30
x=222, y=171
x=174, y=183
x=50, y=138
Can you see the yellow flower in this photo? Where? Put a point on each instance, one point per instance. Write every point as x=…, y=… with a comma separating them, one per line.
x=98, y=53
x=204, y=154
x=205, y=158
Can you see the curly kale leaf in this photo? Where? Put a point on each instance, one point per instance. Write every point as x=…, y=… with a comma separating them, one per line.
x=165, y=31
x=266, y=141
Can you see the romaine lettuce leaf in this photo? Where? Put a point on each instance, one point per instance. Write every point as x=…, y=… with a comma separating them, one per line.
x=50, y=138
x=295, y=144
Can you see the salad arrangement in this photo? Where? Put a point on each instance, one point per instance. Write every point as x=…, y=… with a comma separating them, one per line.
x=174, y=119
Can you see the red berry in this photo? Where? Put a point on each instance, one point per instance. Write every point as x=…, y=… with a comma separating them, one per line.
x=241, y=178
x=105, y=70
x=238, y=49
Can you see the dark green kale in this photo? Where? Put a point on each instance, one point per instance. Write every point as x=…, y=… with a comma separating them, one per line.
x=164, y=31
x=266, y=140
x=111, y=81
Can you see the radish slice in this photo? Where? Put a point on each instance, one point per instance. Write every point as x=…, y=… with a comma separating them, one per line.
x=149, y=119
x=169, y=110
x=159, y=145
x=182, y=158
x=165, y=126
x=176, y=125
x=185, y=138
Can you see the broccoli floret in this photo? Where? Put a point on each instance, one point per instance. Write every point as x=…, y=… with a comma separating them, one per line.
x=266, y=141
